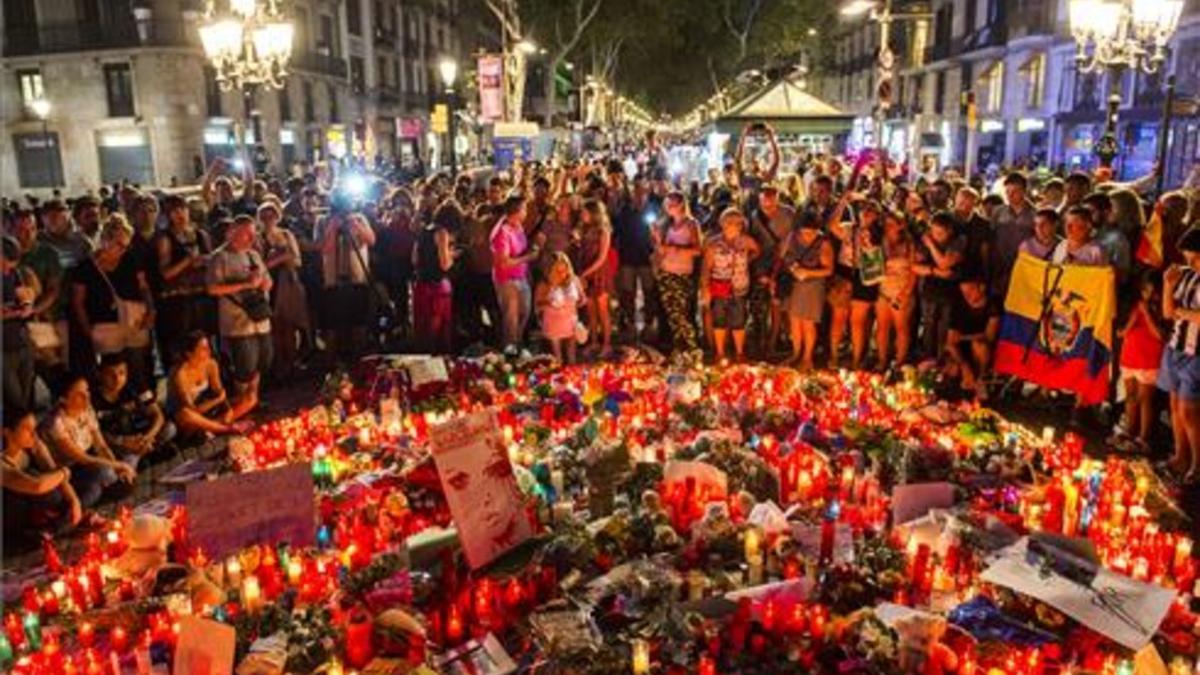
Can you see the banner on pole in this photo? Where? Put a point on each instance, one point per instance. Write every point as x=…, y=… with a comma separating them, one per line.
x=491, y=87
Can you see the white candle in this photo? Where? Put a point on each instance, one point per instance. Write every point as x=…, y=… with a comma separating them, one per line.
x=558, y=482
x=251, y=594
x=1047, y=435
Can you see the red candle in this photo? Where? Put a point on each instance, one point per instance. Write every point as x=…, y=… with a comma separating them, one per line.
x=119, y=639
x=454, y=625
x=15, y=630
x=827, y=534
x=359, y=650
x=707, y=665
x=87, y=634
x=50, y=603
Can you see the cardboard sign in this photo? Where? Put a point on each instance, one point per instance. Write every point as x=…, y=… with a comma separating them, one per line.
x=205, y=647
x=485, y=657
x=261, y=507
x=480, y=486
x=913, y=501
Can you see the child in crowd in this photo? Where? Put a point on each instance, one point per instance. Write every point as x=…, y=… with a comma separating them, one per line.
x=1141, y=353
x=559, y=297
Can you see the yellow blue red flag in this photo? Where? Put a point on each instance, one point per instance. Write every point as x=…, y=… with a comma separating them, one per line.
x=1057, y=327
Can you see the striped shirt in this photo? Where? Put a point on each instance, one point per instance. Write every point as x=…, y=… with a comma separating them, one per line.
x=1185, y=335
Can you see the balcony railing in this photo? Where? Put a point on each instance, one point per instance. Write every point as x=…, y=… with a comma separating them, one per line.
x=78, y=36
x=321, y=63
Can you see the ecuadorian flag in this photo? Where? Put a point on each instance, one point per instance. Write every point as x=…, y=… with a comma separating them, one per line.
x=1057, y=327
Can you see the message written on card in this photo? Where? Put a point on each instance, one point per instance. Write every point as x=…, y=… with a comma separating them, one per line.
x=260, y=507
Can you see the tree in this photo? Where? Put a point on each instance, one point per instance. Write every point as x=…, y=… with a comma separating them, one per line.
x=508, y=13
x=568, y=21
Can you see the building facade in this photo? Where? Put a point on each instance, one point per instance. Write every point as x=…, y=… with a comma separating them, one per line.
x=131, y=96
x=1016, y=60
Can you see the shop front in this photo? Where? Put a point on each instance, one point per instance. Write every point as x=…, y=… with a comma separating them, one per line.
x=990, y=144
x=1032, y=142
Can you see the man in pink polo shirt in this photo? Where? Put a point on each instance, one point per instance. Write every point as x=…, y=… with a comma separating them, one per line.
x=511, y=255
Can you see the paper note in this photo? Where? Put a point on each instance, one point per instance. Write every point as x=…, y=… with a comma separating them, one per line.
x=427, y=370
x=205, y=647
x=1122, y=609
x=710, y=481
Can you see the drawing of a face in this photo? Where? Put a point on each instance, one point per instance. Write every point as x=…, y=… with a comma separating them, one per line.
x=482, y=492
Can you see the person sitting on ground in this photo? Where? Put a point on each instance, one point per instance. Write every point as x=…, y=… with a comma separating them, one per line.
x=974, y=326
x=199, y=405
x=74, y=432
x=37, y=492
x=132, y=421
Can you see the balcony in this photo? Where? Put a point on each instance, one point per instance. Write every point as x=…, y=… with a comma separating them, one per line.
x=320, y=63
x=58, y=37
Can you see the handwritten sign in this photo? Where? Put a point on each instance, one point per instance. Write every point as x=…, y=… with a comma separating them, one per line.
x=480, y=486
x=205, y=647
x=251, y=508
x=427, y=370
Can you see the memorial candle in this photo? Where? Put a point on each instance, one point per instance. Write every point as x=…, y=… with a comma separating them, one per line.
x=1183, y=551
x=251, y=594
x=641, y=657
x=119, y=639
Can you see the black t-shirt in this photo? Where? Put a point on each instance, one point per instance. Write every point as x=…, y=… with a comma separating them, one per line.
x=126, y=416
x=977, y=232
x=970, y=321
x=100, y=304
x=938, y=287
x=631, y=232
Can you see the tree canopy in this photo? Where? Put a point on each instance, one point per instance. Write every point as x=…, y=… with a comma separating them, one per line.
x=671, y=55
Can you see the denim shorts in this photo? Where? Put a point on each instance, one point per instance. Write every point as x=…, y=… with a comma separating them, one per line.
x=1180, y=375
x=249, y=355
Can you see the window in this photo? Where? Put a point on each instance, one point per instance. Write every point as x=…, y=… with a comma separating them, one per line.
x=354, y=17
x=334, y=115
x=381, y=72
x=1035, y=73
x=285, y=104
x=212, y=92
x=30, y=84
x=993, y=82
x=118, y=82
x=307, y=90
x=328, y=44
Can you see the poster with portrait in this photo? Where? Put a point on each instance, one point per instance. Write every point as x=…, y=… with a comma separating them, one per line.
x=480, y=486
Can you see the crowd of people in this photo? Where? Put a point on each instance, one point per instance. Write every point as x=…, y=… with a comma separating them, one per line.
x=136, y=322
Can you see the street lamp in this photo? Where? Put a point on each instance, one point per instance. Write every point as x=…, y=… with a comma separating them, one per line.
x=1116, y=35
x=41, y=108
x=248, y=44
x=448, y=68
x=527, y=47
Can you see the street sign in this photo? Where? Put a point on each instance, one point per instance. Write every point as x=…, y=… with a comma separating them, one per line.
x=439, y=120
